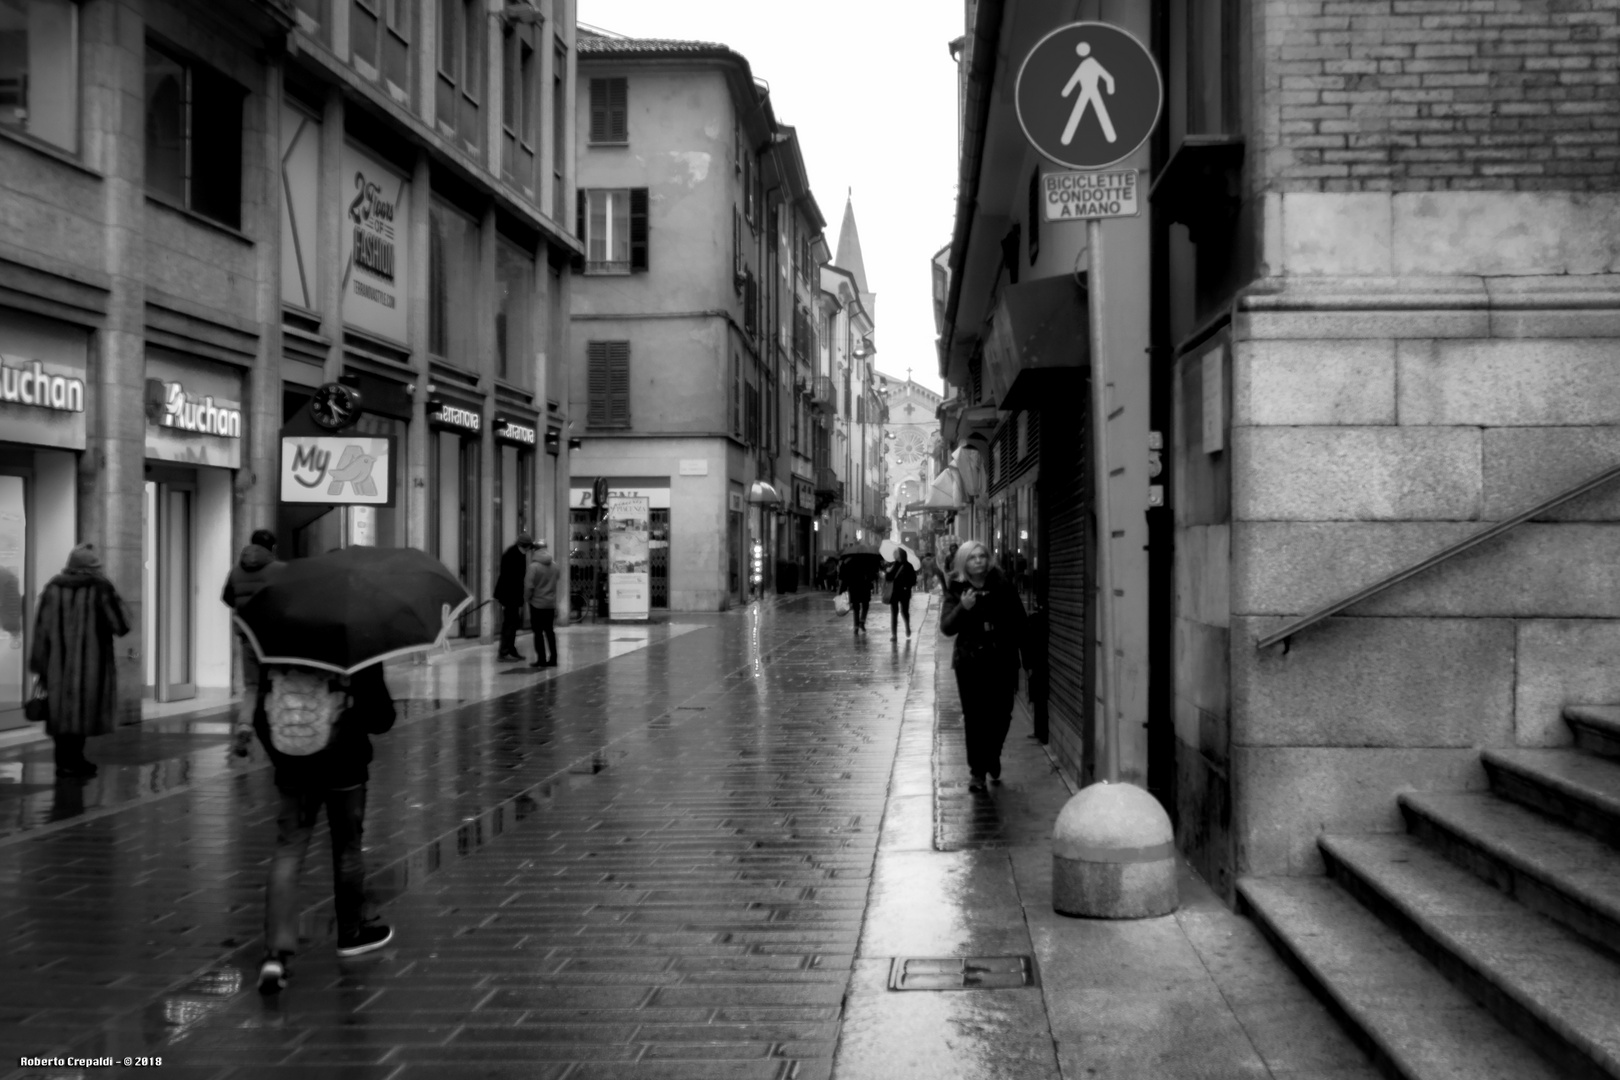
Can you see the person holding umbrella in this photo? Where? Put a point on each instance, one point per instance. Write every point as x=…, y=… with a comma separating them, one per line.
x=322, y=628
x=856, y=568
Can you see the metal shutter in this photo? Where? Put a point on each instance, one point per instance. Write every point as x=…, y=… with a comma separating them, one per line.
x=1065, y=495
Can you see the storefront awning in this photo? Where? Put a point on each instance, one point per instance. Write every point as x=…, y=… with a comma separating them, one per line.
x=1038, y=348
x=763, y=494
x=944, y=497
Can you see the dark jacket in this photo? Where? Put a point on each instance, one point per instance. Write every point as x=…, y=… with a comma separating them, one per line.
x=253, y=567
x=509, y=582
x=903, y=577
x=855, y=578
x=990, y=635
x=79, y=614
x=345, y=760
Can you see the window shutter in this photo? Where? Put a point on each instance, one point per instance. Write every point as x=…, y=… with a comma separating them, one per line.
x=618, y=371
x=599, y=110
x=618, y=107
x=596, y=359
x=577, y=262
x=638, y=228
x=1034, y=215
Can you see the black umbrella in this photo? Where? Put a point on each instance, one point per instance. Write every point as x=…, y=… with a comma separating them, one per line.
x=348, y=609
x=855, y=560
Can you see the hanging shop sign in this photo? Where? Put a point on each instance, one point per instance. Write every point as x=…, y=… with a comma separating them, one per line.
x=444, y=414
x=375, y=247
x=515, y=432
x=42, y=382
x=579, y=498
x=629, y=559
x=338, y=470
x=193, y=412
x=804, y=496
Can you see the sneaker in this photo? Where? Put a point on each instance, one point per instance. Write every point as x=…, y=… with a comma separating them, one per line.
x=365, y=939
x=273, y=974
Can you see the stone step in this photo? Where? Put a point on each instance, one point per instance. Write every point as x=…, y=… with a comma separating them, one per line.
x=1596, y=727
x=1546, y=866
x=1549, y=986
x=1570, y=785
x=1397, y=1005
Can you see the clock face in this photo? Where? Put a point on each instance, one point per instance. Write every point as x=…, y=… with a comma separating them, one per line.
x=910, y=447
x=335, y=406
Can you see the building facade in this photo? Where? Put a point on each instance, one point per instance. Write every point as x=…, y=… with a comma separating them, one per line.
x=912, y=453
x=695, y=353
x=1363, y=315
x=216, y=209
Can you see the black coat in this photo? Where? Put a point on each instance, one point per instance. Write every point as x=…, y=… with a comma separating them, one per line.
x=509, y=583
x=903, y=577
x=990, y=635
x=345, y=761
x=79, y=614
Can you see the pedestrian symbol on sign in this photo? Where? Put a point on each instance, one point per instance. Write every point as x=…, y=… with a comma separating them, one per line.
x=1088, y=95
x=1086, y=77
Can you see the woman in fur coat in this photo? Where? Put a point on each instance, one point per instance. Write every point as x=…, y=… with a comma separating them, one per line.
x=79, y=614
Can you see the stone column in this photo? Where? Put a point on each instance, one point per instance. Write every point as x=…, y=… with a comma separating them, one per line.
x=484, y=356
x=413, y=479
x=256, y=479
x=111, y=497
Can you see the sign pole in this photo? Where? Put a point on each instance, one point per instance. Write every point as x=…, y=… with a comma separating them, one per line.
x=1106, y=729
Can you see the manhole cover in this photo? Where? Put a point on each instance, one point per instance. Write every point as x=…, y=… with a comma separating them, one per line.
x=961, y=973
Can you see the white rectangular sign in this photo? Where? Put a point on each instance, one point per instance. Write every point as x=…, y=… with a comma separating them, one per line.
x=336, y=470
x=1076, y=196
x=376, y=250
x=628, y=559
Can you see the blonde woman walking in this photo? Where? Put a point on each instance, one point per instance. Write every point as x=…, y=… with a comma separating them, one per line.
x=984, y=614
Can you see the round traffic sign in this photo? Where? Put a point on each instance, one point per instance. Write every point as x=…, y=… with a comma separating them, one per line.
x=1088, y=95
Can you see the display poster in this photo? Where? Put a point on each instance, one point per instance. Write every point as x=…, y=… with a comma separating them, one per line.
x=629, y=559
x=375, y=249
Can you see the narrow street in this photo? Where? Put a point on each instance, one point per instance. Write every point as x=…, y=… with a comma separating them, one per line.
x=695, y=852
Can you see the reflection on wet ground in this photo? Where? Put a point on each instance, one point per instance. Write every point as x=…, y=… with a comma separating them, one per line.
x=654, y=866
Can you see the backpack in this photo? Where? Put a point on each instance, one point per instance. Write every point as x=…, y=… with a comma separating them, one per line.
x=300, y=710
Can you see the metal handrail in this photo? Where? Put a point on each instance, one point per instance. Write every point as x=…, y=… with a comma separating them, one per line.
x=1436, y=559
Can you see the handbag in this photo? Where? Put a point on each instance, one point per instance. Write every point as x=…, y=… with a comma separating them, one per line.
x=37, y=709
x=841, y=603
x=888, y=592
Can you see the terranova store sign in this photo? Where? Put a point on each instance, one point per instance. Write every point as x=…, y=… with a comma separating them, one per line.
x=375, y=248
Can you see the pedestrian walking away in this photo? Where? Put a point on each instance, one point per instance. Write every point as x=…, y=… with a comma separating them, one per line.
x=509, y=594
x=856, y=569
x=930, y=571
x=540, y=593
x=982, y=611
x=317, y=727
x=899, y=578
x=253, y=568
x=80, y=612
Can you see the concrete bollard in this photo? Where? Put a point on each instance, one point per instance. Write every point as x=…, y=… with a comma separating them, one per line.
x=1113, y=855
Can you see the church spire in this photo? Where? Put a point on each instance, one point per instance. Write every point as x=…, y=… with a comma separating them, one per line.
x=849, y=246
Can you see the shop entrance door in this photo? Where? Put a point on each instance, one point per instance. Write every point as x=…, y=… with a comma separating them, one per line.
x=168, y=613
x=14, y=622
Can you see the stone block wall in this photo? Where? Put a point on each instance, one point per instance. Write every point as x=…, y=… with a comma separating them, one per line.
x=1421, y=95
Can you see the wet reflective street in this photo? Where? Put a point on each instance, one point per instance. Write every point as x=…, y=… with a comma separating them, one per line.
x=656, y=865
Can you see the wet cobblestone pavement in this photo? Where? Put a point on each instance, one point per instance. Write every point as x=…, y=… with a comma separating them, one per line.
x=652, y=867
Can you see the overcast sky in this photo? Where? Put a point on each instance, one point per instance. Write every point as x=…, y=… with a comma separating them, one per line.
x=871, y=89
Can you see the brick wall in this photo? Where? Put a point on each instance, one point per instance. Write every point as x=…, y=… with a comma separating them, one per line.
x=1421, y=95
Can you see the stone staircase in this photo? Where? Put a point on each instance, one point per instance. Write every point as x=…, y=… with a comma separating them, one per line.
x=1483, y=943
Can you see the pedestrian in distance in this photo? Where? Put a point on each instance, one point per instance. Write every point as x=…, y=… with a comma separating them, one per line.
x=899, y=578
x=80, y=612
x=253, y=567
x=984, y=614
x=855, y=578
x=540, y=593
x=509, y=594
x=317, y=730
x=930, y=571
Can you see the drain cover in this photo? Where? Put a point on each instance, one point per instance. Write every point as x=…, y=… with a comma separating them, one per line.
x=961, y=973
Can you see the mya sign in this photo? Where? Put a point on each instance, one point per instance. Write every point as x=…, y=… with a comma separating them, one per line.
x=337, y=470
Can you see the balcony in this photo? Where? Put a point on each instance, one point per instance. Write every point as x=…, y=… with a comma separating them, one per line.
x=827, y=482
x=822, y=396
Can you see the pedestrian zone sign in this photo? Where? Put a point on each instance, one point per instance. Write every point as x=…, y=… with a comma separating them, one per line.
x=1088, y=95
x=1073, y=196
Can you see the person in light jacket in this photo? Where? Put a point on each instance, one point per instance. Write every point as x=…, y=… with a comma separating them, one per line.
x=540, y=593
x=80, y=612
x=983, y=613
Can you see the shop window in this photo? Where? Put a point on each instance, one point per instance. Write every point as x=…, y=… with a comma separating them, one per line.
x=193, y=136
x=610, y=111
x=614, y=228
x=514, y=292
x=609, y=384
x=380, y=43
x=39, y=70
x=452, y=280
